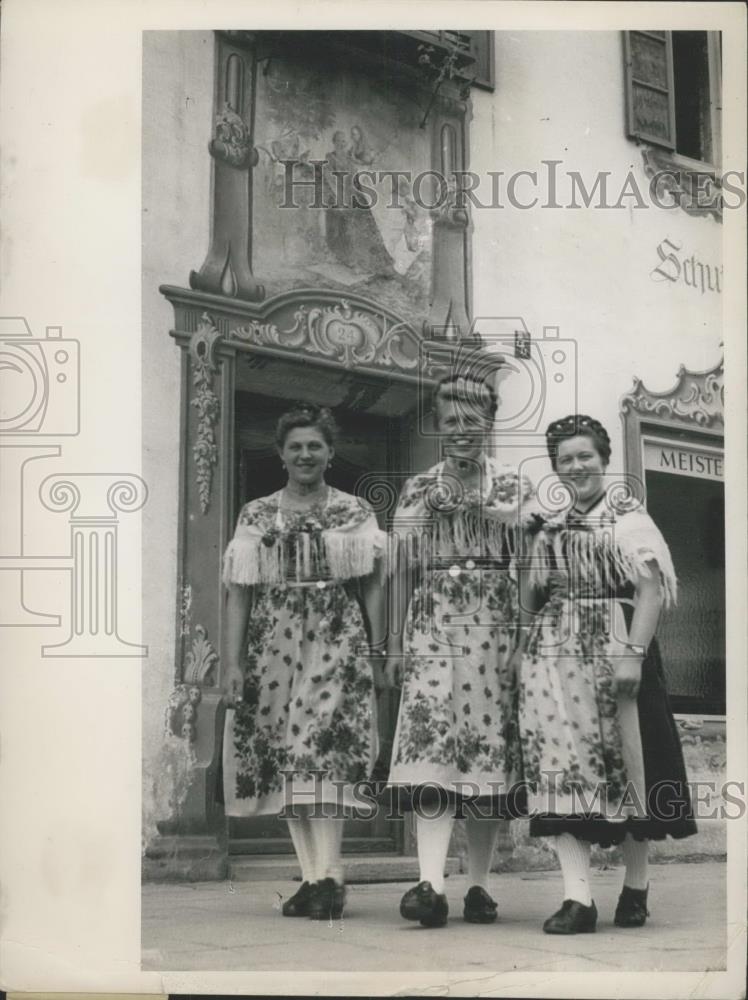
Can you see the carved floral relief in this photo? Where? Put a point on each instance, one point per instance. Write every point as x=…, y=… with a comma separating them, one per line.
x=696, y=396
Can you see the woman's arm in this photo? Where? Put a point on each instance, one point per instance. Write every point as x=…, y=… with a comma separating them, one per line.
x=372, y=598
x=648, y=603
x=372, y=593
x=529, y=602
x=400, y=592
x=647, y=606
x=238, y=607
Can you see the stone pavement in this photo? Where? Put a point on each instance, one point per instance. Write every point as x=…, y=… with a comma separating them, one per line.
x=220, y=926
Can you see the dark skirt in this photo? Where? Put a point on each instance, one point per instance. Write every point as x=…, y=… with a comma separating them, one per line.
x=430, y=799
x=668, y=798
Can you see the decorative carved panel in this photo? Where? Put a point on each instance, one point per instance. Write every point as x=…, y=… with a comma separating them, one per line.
x=201, y=661
x=696, y=191
x=697, y=397
x=206, y=402
x=227, y=269
x=181, y=711
x=352, y=336
x=350, y=332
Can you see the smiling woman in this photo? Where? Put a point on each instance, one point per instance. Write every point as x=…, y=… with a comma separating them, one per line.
x=600, y=750
x=580, y=462
x=453, y=644
x=304, y=598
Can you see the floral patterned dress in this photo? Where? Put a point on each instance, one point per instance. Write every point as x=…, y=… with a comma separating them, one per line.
x=308, y=704
x=457, y=723
x=597, y=766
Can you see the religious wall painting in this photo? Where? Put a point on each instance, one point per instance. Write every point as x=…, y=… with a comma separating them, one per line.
x=371, y=236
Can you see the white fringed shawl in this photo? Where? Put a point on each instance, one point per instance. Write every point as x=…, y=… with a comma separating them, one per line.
x=437, y=518
x=346, y=543
x=610, y=543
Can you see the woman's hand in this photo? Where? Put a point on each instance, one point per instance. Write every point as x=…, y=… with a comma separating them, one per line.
x=233, y=685
x=393, y=670
x=377, y=661
x=627, y=675
x=394, y=664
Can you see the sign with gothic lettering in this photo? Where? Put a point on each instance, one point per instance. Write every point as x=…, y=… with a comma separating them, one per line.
x=677, y=265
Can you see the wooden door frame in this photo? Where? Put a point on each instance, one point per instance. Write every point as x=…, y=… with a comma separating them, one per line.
x=212, y=331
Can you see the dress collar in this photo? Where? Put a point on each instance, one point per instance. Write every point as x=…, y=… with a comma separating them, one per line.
x=489, y=471
x=314, y=509
x=575, y=512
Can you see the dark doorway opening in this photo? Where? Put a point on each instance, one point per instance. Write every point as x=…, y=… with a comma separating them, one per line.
x=690, y=512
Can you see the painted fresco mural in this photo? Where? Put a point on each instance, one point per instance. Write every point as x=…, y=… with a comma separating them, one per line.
x=358, y=243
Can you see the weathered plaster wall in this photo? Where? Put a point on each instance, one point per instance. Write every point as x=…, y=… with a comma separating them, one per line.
x=177, y=124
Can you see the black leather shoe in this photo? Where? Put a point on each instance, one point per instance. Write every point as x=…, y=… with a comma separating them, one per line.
x=479, y=907
x=572, y=918
x=632, y=908
x=423, y=904
x=327, y=900
x=298, y=904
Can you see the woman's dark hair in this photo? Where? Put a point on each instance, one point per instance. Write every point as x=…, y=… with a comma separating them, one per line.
x=306, y=415
x=577, y=425
x=473, y=392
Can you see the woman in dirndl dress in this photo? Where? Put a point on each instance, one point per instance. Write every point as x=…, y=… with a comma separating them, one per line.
x=601, y=754
x=305, y=606
x=456, y=739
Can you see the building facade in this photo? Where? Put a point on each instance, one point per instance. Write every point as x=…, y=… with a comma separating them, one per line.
x=335, y=218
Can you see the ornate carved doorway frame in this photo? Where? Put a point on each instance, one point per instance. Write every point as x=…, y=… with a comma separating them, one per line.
x=368, y=361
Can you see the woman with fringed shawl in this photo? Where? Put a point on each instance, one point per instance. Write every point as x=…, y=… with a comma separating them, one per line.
x=304, y=574
x=601, y=753
x=456, y=748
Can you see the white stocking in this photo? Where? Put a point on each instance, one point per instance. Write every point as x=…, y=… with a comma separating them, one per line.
x=636, y=859
x=327, y=837
x=574, y=856
x=481, y=841
x=433, y=844
x=301, y=838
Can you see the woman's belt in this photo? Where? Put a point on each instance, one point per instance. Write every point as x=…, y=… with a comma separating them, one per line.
x=454, y=565
x=319, y=584
x=589, y=596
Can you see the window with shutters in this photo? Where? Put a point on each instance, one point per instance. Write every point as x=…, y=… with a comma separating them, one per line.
x=477, y=47
x=673, y=92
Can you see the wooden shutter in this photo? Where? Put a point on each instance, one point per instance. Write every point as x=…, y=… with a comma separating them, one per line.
x=714, y=48
x=650, y=98
x=482, y=50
